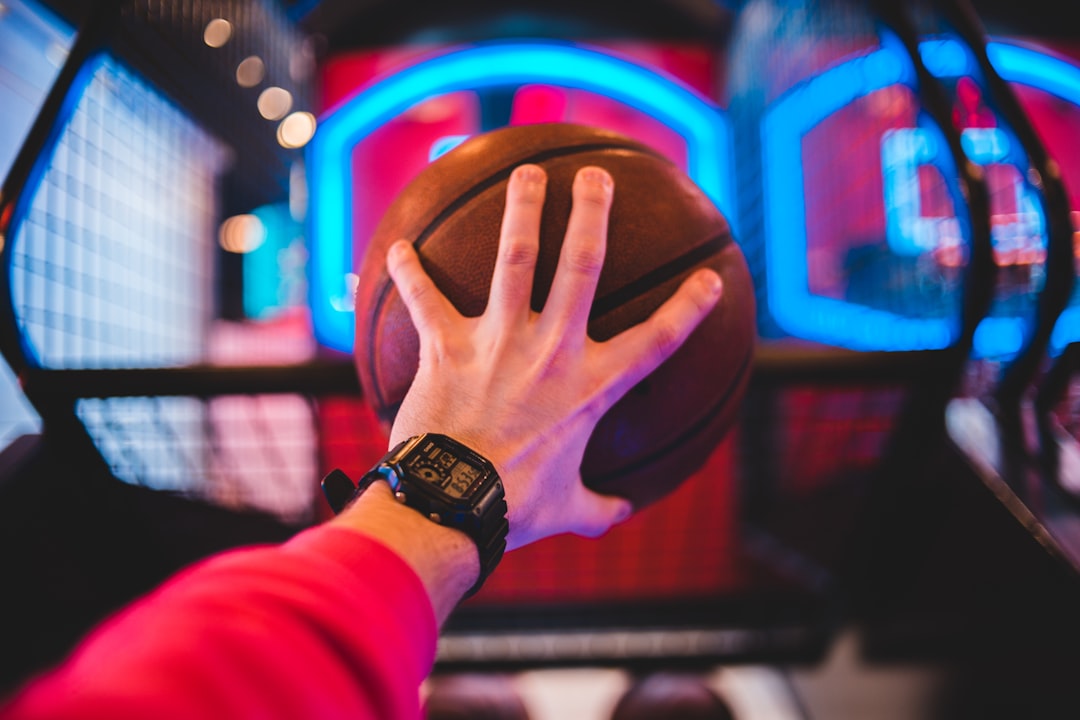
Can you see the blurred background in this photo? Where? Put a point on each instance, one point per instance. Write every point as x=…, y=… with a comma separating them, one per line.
x=891, y=530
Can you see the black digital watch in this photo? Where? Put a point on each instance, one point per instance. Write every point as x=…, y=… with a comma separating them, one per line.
x=446, y=482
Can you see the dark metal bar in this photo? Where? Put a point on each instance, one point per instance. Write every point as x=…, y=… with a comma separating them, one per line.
x=1048, y=184
x=1044, y=178
x=981, y=272
x=888, y=553
x=785, y=365
x=775, y=364
x=329, y=377
x=924, y=414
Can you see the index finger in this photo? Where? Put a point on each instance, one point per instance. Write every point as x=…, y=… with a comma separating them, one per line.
x=428, y=308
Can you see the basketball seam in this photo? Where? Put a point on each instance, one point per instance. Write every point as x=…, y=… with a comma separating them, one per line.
x=475, y=190
x=504, y=173
x=693, y=430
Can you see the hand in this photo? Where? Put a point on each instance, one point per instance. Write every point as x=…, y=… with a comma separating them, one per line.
x=526, y=389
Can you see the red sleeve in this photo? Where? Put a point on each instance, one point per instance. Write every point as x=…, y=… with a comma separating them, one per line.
x=329, y=625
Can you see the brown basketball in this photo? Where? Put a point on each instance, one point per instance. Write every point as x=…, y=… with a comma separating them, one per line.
x=662, y=228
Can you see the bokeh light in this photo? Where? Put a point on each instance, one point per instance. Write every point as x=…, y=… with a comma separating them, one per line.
x=241, y=233
x=250, y=71
x=296, y=130
x=217, y=32
x=274, y=103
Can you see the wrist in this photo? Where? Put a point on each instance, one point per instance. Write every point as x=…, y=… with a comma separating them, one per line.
x=445, y=481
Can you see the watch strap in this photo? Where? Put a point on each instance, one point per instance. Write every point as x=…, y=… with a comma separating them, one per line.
x=491, y=552
x=487, y=526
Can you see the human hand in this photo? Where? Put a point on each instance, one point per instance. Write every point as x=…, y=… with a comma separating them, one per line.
x=523, y=388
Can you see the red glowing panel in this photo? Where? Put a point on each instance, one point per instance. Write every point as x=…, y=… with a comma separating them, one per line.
x=543, y=103
x=386, y=160
x=845, y=214
x=683, y=546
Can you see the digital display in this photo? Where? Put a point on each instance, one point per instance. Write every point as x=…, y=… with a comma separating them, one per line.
x=443, y=469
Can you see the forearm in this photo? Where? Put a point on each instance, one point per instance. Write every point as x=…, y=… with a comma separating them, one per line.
x=445, y=559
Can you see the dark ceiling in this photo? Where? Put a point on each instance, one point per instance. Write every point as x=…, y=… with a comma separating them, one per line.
x=359, y=23
x=350, y=23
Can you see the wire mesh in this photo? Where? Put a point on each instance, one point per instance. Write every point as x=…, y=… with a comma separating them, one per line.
x=113, y=266
x=237, y=451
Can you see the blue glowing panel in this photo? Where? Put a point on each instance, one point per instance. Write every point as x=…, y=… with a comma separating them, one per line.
x=910, y=230
x=89, y=289
x=699, y=121
x=907, y=229
x=444, y=145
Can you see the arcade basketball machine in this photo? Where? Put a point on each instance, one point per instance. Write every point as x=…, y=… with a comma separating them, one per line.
x=189, y=188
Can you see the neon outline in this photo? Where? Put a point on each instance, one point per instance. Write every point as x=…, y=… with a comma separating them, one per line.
x=837, y=322
x=701, y=123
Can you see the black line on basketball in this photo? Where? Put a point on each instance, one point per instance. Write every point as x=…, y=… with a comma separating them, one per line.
x=494, y=179
x=658, y=276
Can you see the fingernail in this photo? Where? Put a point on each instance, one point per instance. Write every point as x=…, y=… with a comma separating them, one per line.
x=398, y=250
x=713, y=283
x=529, y=173
x=597, y=176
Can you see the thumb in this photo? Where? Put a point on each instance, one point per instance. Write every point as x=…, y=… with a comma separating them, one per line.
x=595, y=514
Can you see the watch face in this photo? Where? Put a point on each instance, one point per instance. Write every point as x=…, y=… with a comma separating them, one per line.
x=442, y=469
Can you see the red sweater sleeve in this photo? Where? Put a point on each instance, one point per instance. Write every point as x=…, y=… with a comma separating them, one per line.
x=328, y=625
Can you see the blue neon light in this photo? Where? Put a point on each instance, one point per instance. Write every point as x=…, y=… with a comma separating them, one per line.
x=911, y=233
x=700, y=122
x=837, y=322
x=907, y=230
x=945, y=58
x=444, y=145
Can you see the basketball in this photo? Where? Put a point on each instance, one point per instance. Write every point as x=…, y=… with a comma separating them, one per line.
x=662, y=227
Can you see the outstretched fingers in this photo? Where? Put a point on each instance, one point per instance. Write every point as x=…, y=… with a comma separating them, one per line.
x=638, y=351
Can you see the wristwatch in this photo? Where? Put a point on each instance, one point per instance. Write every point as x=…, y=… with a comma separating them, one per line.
x=446, y=482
